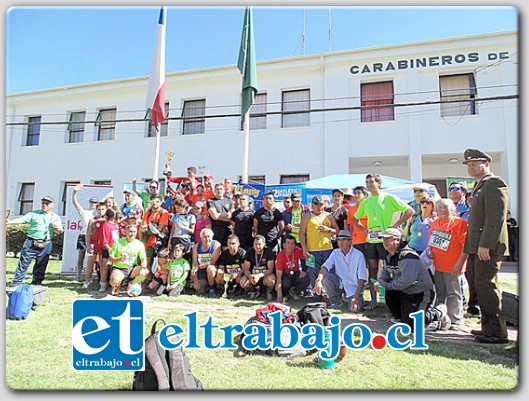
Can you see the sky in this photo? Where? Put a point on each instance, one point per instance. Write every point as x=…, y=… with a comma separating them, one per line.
x=48, y=47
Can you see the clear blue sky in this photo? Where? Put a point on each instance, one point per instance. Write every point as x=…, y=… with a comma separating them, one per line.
x=49, y=47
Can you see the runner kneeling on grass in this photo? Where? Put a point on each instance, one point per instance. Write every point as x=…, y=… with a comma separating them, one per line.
x=124, y=255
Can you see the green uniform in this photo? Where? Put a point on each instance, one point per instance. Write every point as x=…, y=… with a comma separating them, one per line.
x=380, y=211
x=41, y=224
x=177, y=270
x=133, y=250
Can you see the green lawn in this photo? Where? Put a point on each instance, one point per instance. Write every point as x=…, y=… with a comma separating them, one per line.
x=38, y=353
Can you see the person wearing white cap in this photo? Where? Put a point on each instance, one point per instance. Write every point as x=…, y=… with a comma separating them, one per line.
x=408, y=283
x=43, y=224
x=86, y=216
x=343, y=272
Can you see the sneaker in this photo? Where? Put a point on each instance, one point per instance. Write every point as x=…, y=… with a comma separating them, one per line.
x=211, y=292
x=434, y=326
x=160, y=289
x=336, y=305
x=103, y=287
x=253, y=295
x=115, y=289
x=78, y=278
x=86, y=283
x=293, y=294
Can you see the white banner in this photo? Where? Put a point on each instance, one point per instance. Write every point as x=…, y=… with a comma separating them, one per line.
x=73, y=222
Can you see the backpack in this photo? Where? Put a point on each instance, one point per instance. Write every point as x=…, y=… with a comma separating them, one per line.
x=164, y=369
x=20, y=302
x=314, y=312
x=261, y=318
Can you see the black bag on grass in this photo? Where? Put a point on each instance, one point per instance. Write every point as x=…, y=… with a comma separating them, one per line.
x=314, y=312
x=165, y=370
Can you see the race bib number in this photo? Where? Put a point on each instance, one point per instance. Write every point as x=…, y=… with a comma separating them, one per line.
x=230, y=269
x=129, y=258
x=177, y=271
x=373, y=234
x=440, y=240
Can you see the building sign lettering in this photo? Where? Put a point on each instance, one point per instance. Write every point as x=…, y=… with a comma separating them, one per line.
x=424, y=62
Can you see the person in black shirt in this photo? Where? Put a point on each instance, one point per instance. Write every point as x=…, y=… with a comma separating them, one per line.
x=220, y=210
x=230, y=265
x=268, y=222
x=242, y=222
x=258, y=269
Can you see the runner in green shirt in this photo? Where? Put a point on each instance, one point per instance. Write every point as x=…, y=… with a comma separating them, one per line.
x=124, y=256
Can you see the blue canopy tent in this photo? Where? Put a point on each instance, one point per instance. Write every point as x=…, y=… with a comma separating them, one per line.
x=397, y=186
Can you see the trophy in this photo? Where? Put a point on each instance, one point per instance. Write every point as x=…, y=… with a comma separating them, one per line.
x=168, y=157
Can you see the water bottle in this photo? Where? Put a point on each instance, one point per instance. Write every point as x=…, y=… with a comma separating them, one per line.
x=326, y=363
x=381, y=292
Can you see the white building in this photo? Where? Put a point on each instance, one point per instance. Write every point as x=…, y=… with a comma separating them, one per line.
x=97, y=133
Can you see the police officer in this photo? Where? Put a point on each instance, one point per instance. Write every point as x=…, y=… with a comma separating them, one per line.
x=42, y=225
x=486, y=243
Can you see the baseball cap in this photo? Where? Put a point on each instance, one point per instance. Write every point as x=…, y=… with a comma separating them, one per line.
x=93, y=199
x=318, y=199
x=295, y=196
x=127, y=191
x=337, y=190
x=47, y=199
x=392, y=232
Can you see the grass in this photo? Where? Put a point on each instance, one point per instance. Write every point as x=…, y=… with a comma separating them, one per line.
x=38, y=353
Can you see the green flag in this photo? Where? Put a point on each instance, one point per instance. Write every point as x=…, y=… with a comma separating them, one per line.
x=246, y=63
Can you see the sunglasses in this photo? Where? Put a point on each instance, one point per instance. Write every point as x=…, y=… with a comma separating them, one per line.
x=45, y=202
x=423, y=202
x=455, y=189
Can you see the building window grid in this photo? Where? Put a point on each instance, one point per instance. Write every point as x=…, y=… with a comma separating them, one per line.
x=293, y=178
x=106, y=123
x=164, y=127
x=25, y=198
x=378, y=94
x=461, y=90
x=64, y=197
x=33, y=135
x=295, y=100
x=76, y=127
x=258, y=113
x=193, y=117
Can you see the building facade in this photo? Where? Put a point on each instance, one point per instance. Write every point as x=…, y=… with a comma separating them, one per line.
x=407, y=110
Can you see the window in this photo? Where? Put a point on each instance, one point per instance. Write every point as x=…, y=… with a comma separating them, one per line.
x=101, y=182
x=64, y=197
x=374, y=97
x=461, y=89
x=164, y=127
x=255, y=179
x=293, y=178
x=25, y=198
x=106, y=123
x=257, y=113
x=33, y=131
x=76, y=127
x=297, y=105
x=193, y=117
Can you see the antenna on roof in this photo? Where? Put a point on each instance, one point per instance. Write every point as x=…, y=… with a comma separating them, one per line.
x=303, y=34
x=330, y=31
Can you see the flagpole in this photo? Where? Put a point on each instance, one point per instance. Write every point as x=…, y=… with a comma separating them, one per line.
x=245, y=157
x=156, y=154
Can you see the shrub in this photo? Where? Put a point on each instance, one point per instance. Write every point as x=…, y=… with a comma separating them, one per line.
x=17, y=234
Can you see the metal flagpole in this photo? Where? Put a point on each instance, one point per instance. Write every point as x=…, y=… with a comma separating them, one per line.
x=246, y=133
x=156, y=153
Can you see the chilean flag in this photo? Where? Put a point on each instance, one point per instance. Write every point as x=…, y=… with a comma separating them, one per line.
x=156, y=94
